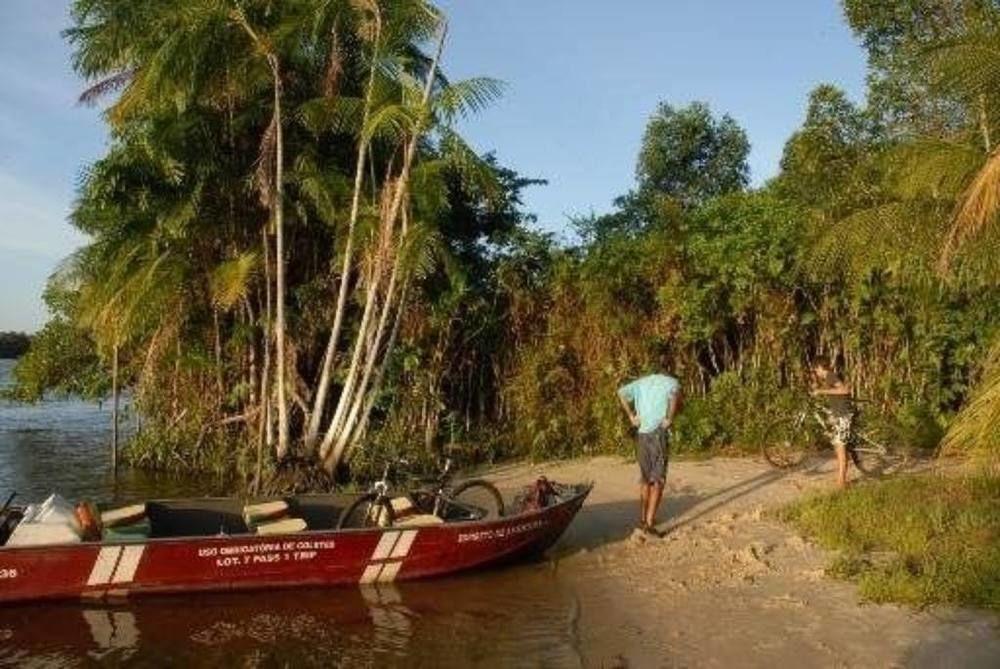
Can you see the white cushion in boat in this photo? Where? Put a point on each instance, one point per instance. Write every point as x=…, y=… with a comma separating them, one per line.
x=283, y=526
x=55, y=510
x=127, y=515
x=401, y=506
x=418, y=520
x=40, y=534
x=257, y=513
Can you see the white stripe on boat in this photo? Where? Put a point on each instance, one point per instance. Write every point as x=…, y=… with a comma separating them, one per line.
x=403, y=545
x=371, y=573
x=394, y=546
x=389, y=571
x=128, y=564
x=385, y=545
x=105, y=564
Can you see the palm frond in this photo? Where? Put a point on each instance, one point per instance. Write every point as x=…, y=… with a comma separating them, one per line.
x=476, y=173
x=341, y=114
x=978, y=208
x=264, y=171
x=421, y=249
x=101, y=89
x=465, y=98
x=390, y=123
x=931, y=169
x=323, y=189
x=975, y=428
x=890, y=235
x=968, y=66
x=230, y=281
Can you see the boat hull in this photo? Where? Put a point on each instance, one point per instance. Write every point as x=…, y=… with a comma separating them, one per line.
x=98, y=571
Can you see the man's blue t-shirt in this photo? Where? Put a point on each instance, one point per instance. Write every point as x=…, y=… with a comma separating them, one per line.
x=651, y=395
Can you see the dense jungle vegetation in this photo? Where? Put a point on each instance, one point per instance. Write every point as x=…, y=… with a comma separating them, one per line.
x=295, y=257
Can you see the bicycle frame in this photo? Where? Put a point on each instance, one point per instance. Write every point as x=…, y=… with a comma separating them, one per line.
x=382, y=487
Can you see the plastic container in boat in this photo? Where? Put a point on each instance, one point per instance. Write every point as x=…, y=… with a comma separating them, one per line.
x=53, y=521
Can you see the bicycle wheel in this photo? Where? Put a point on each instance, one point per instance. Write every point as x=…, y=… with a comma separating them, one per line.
x=479, y=499
x=874, y=458
x=369, y=510
x=787, y=443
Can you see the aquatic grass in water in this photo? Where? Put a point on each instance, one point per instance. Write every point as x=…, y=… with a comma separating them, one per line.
x=920, y=540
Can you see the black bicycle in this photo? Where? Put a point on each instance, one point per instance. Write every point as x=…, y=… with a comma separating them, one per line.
x=793, y=437
x=476, y=499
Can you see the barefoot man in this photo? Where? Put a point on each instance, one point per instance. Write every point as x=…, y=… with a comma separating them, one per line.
x=651, y=404
x=839, y=410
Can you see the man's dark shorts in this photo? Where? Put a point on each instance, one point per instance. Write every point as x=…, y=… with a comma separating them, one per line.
x=651, y=453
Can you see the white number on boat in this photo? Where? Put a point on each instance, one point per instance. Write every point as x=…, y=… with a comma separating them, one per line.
x=7, y=573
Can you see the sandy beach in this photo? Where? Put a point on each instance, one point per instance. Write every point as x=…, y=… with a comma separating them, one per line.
x=729, y=585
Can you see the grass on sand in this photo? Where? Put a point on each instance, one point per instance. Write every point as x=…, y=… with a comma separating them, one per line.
x=920, y=540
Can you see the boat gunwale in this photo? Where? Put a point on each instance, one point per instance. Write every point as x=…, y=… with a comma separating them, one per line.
x=580, y=490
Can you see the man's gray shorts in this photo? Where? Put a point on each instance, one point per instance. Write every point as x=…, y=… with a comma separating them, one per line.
x=651, y=453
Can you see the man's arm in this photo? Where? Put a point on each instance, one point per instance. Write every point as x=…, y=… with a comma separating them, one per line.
x=627, y=405
x=675, y=405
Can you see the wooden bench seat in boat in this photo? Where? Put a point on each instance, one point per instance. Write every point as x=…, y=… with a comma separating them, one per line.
x=126, y=515
x=265, y=511
x=283, y=526
x=418, y=520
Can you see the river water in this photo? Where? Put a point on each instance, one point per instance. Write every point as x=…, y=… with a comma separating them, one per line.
x=520, y=616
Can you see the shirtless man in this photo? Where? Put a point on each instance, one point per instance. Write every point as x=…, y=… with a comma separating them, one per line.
x=828, y=385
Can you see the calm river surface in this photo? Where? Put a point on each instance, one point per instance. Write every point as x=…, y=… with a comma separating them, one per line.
x=522, y=616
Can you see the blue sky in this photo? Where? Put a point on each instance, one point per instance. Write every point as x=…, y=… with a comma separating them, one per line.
x=583, y=77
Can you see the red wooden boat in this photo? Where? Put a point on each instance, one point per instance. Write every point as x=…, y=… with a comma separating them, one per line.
x=205, y=545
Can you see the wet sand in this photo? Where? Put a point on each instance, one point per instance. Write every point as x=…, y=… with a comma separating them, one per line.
x=729, y=586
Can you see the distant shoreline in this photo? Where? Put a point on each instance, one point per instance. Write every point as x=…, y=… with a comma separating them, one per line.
x=13, y=345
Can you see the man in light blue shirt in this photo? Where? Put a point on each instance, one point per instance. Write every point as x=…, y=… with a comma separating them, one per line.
x=651, y=403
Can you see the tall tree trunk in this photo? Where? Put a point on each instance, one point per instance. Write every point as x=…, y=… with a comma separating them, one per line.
x=267, y=419
x=278, y=212
x=340, y=428
x=114, y=410
x=279, y=243
x=376, y=386
x=323, y=386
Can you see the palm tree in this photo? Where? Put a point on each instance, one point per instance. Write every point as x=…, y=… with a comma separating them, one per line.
x=942, y=195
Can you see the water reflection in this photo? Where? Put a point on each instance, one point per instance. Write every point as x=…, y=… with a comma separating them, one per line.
x=521, y=616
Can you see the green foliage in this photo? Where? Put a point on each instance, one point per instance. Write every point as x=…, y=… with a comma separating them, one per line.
x=920, y=540
x=896, y=34
x=690, y=156
x=828, y=164
x=737, y=414
x=61, y=360
x=62, y=357
x=975, y=429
